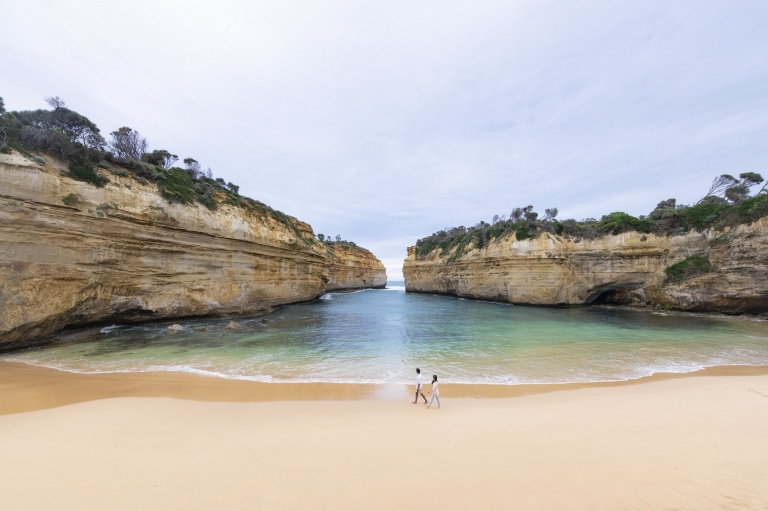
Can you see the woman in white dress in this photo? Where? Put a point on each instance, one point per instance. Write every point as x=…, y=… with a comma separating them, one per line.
x=435, y=392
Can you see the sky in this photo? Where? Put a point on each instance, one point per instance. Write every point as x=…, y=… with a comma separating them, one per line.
x=384, y=122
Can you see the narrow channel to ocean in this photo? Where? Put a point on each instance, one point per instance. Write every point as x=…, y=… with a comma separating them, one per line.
x=381, y=336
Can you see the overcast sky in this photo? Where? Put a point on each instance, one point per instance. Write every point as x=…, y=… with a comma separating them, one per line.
x=386, y=121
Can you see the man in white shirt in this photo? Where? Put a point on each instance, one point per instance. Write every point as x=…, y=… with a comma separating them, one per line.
x=418, y=387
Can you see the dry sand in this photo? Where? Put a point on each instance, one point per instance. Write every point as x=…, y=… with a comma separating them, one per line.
x=698, y=442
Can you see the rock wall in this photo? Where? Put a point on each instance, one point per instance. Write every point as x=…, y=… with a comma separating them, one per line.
x=623, y=269
x=122, y=253
x=350, y=268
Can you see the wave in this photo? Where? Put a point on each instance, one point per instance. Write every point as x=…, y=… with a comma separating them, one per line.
x=108, y=329
x=507, y=380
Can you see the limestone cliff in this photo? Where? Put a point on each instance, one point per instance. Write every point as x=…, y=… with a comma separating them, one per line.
x=122, y=253
x=622, y=269
x=352, y=268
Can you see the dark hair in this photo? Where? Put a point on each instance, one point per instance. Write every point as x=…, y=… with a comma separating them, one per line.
x=418, y=370
x=434, y=377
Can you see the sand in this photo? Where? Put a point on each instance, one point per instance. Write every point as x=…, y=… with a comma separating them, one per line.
x=698, y=442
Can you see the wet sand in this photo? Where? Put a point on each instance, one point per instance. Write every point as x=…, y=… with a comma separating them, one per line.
x=695, y=442
x=25, y=388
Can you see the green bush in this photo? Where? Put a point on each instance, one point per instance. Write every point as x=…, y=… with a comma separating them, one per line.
x=175, y=185
x=702, y=216
x=82, y=169
x=689, y=267
x=70, y=200
x=753, y=209
x=619, y=222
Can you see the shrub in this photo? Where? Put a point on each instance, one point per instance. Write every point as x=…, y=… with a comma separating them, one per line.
x=70, y=200
x=689, y=267
x=51, y=142
x=176, y=186
x=752, y=209
x=160, y=209
x=160, y=158
x=703, y=215
x=81, y=169
x=145, y=170
x=619, y=222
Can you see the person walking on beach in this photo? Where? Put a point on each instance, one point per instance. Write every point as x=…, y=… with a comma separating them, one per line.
x=435, y=392
x=418, y=387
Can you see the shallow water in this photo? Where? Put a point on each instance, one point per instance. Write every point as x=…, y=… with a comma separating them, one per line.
x=380, y=336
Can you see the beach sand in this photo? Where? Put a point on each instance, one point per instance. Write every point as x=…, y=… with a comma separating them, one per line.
x=696, y=442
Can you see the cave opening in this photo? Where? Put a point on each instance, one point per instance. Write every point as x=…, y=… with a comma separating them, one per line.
x=604, y=298
x=614, y=296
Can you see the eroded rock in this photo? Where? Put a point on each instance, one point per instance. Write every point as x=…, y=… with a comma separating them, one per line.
x=63, y=267
x=626, y=269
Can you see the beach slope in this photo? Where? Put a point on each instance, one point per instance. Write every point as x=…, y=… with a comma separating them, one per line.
x=685, y=443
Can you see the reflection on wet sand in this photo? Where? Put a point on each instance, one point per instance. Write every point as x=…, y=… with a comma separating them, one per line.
x=25, y=388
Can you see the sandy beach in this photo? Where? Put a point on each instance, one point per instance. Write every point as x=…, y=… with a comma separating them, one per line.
x=695, y=442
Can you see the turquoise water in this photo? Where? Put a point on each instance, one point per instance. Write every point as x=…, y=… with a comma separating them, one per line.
x=380, y=336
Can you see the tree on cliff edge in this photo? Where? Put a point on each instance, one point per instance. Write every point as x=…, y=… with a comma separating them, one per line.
x=128, y=144
x=161, y=158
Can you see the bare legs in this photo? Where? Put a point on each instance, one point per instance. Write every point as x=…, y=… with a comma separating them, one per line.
x=418, y=391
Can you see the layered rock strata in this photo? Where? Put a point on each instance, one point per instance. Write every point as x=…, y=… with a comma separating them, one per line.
x=622, y=269
x=351, y=268
x=122, y=253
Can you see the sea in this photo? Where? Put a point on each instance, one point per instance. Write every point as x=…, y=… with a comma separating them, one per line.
x=380, y=336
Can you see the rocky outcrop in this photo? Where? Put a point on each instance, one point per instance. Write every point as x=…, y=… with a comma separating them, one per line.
x=351, y=268
x=622, y=269
x=122, y=253
x=739, y=282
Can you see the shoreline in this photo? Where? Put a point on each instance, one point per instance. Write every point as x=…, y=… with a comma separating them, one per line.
x=25, y=387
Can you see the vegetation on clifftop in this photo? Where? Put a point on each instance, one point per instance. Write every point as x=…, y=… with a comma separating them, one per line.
x=73, y=138
x=330, y=242
x=727, y=203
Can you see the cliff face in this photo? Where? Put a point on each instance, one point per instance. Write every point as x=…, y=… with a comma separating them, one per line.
x=350, y=268
x=623, y=269
x=122, y=253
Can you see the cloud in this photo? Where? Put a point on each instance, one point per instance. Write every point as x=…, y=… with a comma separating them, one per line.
x=384, y=122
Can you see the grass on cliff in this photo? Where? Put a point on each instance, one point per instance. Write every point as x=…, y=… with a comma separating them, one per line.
x=343, y=244
x=689, y=267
